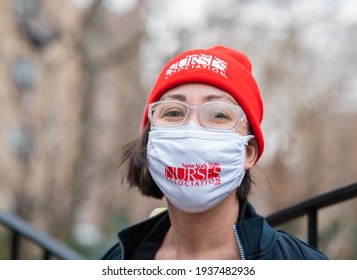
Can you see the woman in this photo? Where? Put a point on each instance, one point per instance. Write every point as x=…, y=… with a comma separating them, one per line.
x=201, y=136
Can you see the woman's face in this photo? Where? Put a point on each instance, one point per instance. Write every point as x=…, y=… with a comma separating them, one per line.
x=197, y=94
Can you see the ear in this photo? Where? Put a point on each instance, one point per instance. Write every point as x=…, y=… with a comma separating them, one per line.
x=251, y=154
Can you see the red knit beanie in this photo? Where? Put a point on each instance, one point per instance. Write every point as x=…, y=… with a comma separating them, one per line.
x=227, y=69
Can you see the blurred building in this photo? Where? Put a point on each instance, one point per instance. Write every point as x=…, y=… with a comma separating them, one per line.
x=68, y=79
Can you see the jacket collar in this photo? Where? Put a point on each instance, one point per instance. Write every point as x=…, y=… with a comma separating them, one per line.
x=256, y=235
x=141, y=241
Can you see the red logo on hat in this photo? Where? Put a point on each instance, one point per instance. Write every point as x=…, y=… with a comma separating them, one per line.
x=199, y=61
x=194, y=175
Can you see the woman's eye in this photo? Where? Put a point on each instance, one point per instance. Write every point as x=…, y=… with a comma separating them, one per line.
x=173, y=114
x=220, y=116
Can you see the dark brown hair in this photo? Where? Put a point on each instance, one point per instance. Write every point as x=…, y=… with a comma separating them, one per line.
x=137, y=174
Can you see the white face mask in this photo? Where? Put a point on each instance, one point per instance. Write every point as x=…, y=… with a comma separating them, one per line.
x=195, y=167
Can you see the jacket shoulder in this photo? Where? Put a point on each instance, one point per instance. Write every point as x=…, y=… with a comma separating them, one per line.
x=293, y=248
x=261, y=241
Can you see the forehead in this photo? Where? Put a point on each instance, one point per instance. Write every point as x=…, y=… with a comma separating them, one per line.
x=197, y=93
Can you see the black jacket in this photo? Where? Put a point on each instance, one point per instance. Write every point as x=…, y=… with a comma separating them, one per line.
x=256, y=240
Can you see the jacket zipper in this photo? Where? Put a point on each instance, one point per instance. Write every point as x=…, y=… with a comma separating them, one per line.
x=239, y=243
x=121, y=246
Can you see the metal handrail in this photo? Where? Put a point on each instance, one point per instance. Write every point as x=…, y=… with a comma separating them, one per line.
x=310, y=208
x=50, y=246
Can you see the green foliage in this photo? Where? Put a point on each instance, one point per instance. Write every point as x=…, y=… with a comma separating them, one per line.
x=330, y=232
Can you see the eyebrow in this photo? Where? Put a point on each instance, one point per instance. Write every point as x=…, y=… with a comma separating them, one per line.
x=218, y=97
x=177, y=96
x=181, y=97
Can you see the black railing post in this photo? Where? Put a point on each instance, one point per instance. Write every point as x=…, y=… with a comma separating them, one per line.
x=312, y=227
x=46, y=255
x=15, y=245
x=311, y=207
